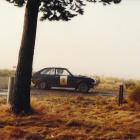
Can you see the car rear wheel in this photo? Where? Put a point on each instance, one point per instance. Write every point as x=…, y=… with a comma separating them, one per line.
x=83, y=87
x=42, y=85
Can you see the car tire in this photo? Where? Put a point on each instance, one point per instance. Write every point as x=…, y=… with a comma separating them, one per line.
x=42, y=85
x=83, y=87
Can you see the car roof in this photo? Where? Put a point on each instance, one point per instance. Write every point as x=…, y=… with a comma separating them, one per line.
x=54, y=68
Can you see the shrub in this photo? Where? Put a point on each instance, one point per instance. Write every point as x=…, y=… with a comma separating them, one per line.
x=130, y=84
x=135, y=95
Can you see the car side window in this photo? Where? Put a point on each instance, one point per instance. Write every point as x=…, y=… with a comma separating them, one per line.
x=48, y=72
x=62, y=72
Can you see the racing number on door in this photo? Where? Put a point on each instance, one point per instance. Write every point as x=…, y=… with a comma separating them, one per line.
x=63, y=80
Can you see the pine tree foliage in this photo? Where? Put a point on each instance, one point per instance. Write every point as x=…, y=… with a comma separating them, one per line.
x=61, y=9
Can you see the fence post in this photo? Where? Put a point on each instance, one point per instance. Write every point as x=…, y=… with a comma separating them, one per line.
x=121, y=96
x=10, y=89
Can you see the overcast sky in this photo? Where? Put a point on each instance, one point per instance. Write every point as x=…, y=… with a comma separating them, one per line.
x=105, y=41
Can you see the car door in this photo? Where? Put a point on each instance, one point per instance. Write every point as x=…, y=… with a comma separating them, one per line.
x=72, y=81
x=62, y=78
x=48, y=75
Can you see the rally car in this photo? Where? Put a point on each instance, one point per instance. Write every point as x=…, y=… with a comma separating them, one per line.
x=61, y=77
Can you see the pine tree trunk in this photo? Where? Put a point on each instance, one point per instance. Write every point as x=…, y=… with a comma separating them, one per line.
x=20, y=100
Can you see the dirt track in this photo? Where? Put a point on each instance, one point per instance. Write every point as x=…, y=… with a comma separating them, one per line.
x=66, y=92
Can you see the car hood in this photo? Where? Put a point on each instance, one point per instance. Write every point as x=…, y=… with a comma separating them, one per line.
x=81, y=76
x=85, y=77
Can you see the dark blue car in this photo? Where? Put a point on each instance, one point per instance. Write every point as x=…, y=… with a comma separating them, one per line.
x=61, y=77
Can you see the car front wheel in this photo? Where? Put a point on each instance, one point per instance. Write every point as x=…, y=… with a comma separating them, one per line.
x=83, y=87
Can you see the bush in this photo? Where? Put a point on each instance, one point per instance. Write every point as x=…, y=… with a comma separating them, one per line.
x=135, y=95
x=130, y=84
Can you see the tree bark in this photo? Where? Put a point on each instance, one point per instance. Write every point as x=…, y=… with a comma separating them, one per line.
x=20, y=100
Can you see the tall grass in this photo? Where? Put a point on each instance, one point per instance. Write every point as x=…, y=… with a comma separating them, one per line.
x=112, y=84
x=72, y=118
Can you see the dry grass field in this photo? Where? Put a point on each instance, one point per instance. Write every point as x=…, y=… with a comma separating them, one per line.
x=111, y=84
x=72, y=118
